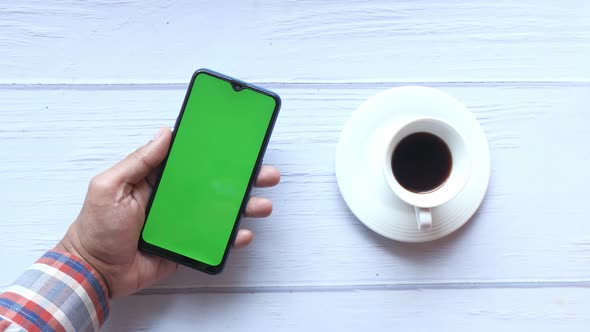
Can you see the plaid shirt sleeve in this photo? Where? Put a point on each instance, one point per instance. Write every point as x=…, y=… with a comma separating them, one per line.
x=59, y=292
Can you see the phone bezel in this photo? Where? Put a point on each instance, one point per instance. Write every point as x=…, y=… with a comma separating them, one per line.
x=184, y=260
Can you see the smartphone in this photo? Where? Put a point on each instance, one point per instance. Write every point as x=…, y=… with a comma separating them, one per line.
x=218, y=142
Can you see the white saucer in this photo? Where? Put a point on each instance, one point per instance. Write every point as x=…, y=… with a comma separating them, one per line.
x=360, y=177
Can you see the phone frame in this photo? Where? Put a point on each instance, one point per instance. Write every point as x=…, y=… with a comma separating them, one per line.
x=237, y=86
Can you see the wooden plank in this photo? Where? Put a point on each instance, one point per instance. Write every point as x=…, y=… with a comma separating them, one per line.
x=532, y=225
x=344, y=41
x=544, y=309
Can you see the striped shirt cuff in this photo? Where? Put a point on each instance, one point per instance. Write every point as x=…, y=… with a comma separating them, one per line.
x=59, y=292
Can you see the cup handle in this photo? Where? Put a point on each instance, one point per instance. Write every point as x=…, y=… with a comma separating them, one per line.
x=424, y=218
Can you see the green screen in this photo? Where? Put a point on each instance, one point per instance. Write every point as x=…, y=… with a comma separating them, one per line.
x=212, y=158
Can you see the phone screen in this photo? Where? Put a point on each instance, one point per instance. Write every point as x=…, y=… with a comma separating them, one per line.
x=218, y=139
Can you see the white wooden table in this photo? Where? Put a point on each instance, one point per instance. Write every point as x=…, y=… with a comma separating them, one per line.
x=84, y=83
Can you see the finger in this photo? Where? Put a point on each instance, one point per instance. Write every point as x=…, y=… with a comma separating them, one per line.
x=152, y=178
x=136, y=166
x=244, y=237
x=268, y=176
x=258, y=207
x=142, y=192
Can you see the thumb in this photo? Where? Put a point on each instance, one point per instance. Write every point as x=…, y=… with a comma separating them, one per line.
x=136, y=166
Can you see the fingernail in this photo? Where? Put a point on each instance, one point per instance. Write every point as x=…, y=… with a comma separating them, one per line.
x=159, y=133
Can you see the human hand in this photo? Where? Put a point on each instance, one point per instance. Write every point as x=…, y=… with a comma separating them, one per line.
x=106, y=232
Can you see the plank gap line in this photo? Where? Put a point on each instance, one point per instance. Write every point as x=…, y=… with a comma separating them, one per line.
x=372, y=287
x=310, y=84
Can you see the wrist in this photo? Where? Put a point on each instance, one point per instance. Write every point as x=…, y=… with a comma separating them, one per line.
x=66, y=246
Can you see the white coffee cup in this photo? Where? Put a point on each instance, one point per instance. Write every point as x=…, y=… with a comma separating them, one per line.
x=460, y=166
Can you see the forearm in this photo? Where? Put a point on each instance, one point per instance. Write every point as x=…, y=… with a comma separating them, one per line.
x=59, y=292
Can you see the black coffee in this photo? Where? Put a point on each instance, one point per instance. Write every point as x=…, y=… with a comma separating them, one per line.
x=421, y=162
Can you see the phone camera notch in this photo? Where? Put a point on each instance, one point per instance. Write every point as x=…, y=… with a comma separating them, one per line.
x=237, y=86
